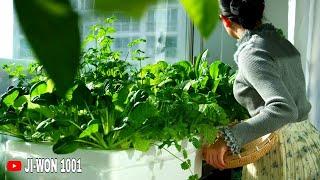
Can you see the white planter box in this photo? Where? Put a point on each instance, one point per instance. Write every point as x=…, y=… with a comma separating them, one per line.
x=105, y=165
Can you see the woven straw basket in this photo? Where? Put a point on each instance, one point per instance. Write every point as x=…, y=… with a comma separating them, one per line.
x=251, y=152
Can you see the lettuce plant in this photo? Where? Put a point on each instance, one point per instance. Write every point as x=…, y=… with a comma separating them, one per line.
x=114, y=106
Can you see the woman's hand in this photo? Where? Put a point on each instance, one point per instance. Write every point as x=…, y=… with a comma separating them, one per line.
x=214, y=154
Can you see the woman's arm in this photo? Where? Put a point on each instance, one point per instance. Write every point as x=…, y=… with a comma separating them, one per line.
x=262, y=72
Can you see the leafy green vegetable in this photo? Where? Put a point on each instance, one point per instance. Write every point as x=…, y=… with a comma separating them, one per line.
x=142, y=112
x=9, y=97
x=38, y=89
x=91, y=129
x=112, y=105
x=65, y=145
x=141, y=144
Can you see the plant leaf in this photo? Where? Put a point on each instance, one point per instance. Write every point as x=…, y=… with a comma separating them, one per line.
x=141, y=112
x=9, y=97
x=20, y=101
x=51, y=27
x=135, y=8
x=93, y=128
x=209, y=133
x=185, y=154
x=38, y=89
x=82, y=95
x=141, y=144
x=196, y=142
x=65, y=145
x=203, y=13
x=185, y=165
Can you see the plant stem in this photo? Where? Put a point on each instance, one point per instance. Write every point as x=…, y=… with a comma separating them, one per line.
x=75, y=124
x=175, y=157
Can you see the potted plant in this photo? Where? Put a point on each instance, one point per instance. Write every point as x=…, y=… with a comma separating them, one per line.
x=118, y=121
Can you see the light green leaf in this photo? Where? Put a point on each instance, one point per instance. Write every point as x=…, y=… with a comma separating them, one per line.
x=141, y=144
x=214, y=69
x=38, y=89
x=203, y=13
x=50, y=86
x=134, y=8
x=51, y=27
x=209, y=133
x=9, y=97
x=93, y=128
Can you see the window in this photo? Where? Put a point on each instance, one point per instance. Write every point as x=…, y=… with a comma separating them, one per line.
x=163, y=26
x=171, y=47
x=172, y=19
x=82, y=5
x=151, y=20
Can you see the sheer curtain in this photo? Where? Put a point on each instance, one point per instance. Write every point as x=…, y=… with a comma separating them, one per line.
x=305, y=30
x=314, y=62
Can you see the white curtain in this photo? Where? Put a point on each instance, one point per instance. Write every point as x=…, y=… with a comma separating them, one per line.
x=305, y=28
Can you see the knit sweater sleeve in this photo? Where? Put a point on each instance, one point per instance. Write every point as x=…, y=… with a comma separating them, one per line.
x=261, y=72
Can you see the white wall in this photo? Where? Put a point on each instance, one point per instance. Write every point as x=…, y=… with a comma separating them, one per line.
x=6, y=30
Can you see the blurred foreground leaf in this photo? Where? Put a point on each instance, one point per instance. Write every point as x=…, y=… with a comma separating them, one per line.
x=51, y=27
x=131, y=7
x=203, y=13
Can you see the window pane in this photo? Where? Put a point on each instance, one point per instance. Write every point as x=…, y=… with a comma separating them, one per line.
x=171, y=47
x=172, y=19
x=159, y=26
x=151, y=20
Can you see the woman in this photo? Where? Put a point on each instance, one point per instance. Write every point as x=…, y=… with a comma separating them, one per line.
x=270, y=83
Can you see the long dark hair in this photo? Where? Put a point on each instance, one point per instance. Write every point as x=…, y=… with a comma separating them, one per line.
x=247, y=13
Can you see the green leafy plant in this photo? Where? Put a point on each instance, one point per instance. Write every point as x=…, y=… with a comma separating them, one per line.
x=113, y=106
x=51, y=28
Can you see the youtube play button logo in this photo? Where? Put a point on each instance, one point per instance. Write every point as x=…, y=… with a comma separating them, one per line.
x=14, y=166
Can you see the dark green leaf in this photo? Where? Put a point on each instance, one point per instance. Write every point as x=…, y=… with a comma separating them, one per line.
x=185, y=154
x=45, y=126
x=185, y=165
x=45, y=99
x=196, y=143
x=141, y=112
x=51, y=27
x=193, y=177
x=65, y=145
x=178, y=146
x=82, y=96
x=20, y=101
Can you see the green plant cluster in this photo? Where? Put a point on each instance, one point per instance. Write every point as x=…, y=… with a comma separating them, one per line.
x=51, y=28
x=114, y=105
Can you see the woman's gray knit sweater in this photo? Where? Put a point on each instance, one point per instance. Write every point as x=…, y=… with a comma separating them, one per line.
x=270, y=83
